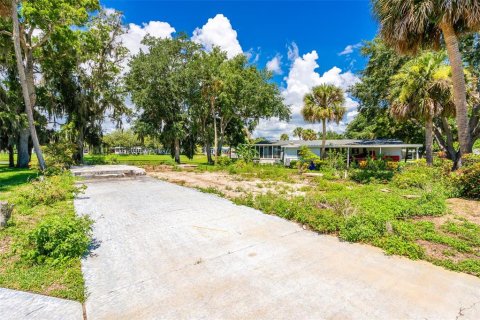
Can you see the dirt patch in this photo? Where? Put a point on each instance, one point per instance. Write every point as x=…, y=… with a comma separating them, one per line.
x=460, y=209
x=468, y=209
x=232, y=186
x=55, y=287
x=5, y=244
x=442, y=252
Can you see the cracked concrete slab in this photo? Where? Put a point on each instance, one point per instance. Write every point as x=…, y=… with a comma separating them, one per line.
x=19, y=305
x=169, y=252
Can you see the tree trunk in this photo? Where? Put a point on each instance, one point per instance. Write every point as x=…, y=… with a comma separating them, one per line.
x=324, y=137
x=429, y=140
x=459, y=88
x=215, y=135
x=78, y=155
x=177, y=150
x=24, y=84
x=220, y=142
x=208, y=149
x=11, y=160
x=23, y=158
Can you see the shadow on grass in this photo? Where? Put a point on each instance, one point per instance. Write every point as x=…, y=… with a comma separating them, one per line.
x=11, y=177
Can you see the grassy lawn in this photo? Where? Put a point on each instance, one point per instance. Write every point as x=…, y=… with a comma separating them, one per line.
x=149, y=159
x=406, y=216
x=43, y=210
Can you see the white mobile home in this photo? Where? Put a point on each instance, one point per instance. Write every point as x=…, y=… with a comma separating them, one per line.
x=356, y=150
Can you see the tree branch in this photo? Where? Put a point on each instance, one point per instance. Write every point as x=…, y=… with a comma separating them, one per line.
x=7, y=33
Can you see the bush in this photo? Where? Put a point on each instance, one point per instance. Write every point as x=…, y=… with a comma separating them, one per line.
x=467, y=181
x=367, y=176
x=224, y=161
x=48, y=190
x=58, y=238
x=415, y=176
x=59, y=156
x=470, y=160
x=293, y=164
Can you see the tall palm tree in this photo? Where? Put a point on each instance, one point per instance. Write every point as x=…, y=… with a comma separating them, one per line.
x=409, y=25
x=297, y=132
x=284, y=137
x=421, y=90
x=324, y=104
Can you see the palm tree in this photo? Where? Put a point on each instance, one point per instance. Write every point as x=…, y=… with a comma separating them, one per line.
x=409, y=25
x=421, y=90
x=324, y=104
x=297, y=132
x=309, y=134
x=284, y=137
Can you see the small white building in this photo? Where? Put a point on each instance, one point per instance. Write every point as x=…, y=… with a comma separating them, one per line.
x=356, y=150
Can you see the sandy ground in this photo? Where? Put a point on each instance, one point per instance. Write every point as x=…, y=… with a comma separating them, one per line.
x=232, y=186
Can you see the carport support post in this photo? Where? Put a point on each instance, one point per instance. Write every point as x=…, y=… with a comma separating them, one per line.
x=348, y=157
x=416, y=150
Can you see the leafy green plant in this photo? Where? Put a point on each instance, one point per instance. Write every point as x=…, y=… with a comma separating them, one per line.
x=59, y=238
x=467, y=181
x=368, y=175
x=48, y=190
x=247, y=152
x=59, y=155
x=224, y=161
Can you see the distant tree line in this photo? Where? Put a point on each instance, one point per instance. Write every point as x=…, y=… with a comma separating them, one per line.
x=186, y=96
x=63, y=68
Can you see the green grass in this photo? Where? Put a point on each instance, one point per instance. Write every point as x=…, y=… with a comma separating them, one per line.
x=149, y=159
x=34, y=204
x=12, y=177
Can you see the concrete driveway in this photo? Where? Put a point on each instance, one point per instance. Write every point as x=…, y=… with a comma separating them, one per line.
x=169, y=252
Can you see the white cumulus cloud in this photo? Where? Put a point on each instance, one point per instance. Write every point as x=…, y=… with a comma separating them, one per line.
x=275, y=65
x=133, y=37
x=218, y=31
x=300, y=80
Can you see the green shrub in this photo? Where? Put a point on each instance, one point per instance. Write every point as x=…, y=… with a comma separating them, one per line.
x=470, y=160
x=307, y=155
x=367, y=175
x=59, y=156
x=58, y=238
x=48, y=190
x=224, y=161
x=247, y=152
x=416, y=175
x=467, y=181
x=293, y=164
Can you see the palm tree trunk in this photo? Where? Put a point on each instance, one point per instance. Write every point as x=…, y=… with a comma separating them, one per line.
x=429, y=140
x=24, y=84
x=459, y=87
x=324, y=137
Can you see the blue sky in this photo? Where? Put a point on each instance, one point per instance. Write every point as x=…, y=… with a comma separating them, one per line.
x=302, y=40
